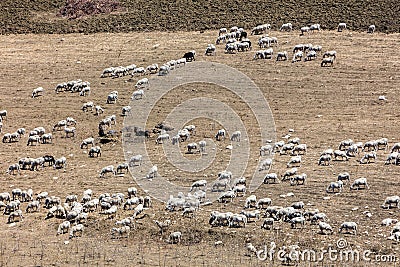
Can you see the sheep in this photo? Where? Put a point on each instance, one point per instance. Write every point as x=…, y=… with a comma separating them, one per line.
x=220, y=134
x=142, y=83
x=12, y=206
x=85, y=91
x=327, y=61
x=16, y=193
x=382, y=143
x=60, y=163
x=126, y=110
x=210, y=50
x=75, y=230
x=98, y=110
x=112, y=98
x=197, y=184
x=330, y=54
x=33, y=206
x=340, y=154
x=161, y=138
x=341, y=26
x=360, y=182
x=13, y=168
x=325, y=160
x=343, y=176
x=36, y=163
x=270, y=176
x=370, y=146
x=220, y=183
x=69, y=131
x=264, y=54
x=189, y=56
x=395, y=148
x=352, y=150
x=251, y=201
x=17, y=214
x=300, y=149
x=266, y=150
x=263, y=203
x=335, y=185
x=95, y=150
x=202, y=146
x=86, y=142
x=5, y=196
x=36, y=92
x=392, y=157
x=175, y=238
x=265, y=165
x=348, y=226
x=310, y=55
x=231, y=48
x=47, y=138
x=107, y=169
x=371, y=28
x=289, y=173
x=236, y=219
x=297, y=56
x=304, y=30
x=389, y=221
x=295, y=160
x=138, y=70
x=42, y=195
x=286, y=27
x=315, y=27
x=391, y=200
x=324, y=228
x=164, y=70
x=268, y=224
x=153, y=172
x=121, y=167
x=299, y=179
x=297, y=220
x=282, y=56
x=14, y=137
x=239, y=189
x=63, y=227
x=367, y=157
x=152, y=69
x=117, y=232
x=135, y=160
x=192, y=148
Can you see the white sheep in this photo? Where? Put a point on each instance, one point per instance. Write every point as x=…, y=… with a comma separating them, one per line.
x=198, y=184
x=325, y=227
x=36, y=92
x=367, y=157
x=239, y=189
x=17, y=214
x=348, y=226
x=265, y=165
x=220, y=134
x=268, y=224
x=220, y=183
x=210, y=50
x=289, y=173
x=298, y=179
x=75, y=230
x=107, y=169
x=251, y=201
x=98, y=110
x=236, y=136
x=325, y=160
x=341, y=26
x=69, y=131
x=117, y=232
x=371, y=28
x=331, y=54
x=86, y=142
x=392, y=158
x=304, y=30
x=360, y=182
x=202, y=146
x=236, y=219
x=135, y=160
x=335, y=185
x=263, y=203
x=300, y=149
x=297, y=56
x=152, y=69
x=95, y=150
x=297, y=220
x=327, y=62
x=315, y=27
x=60, y=163
x=152, y=172
x=175, y=238
x=294, y=161
x=126, y=110
x=389, y=201
x=33, y=206
x=63, y=227
x=286, y=27
x=282, y=56
x=270, y=176
x=339, y=154
x=343, y=176
x=143, y=82
x=13, y=168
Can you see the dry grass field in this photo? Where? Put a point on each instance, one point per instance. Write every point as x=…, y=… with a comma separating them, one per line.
x=322, y=105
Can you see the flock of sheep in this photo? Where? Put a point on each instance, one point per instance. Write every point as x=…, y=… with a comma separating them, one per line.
x=72, y=211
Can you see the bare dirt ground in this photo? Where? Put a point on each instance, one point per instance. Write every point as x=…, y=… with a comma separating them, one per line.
x=346, y=97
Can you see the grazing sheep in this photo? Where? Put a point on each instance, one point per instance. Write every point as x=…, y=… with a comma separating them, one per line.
x=69, y=131
x=161, y=138
x=324, y=228
x=381, y=144
x=339, y=154
x=224, y=183
x=13, y=168
x=239, y=189
x=270, y=176
x=392, y=158
x=343, y=176
x=371, y=28
x=389, y=221
x=360, y=182
x=295, y=160
x=236, y=219
x=86, y=142
x=135, y=160
x=63, y=227
x=286, y=27
x=121, y=167
x=282, y=56
x=36, y=92
x=117, y=232
x=192, y=148
x=17, y=214
x=268, y=224
x=60, y=163
x=221, y=134
x=327, y=61
x=299, y=179
x=367, y=157
x=300, y=149
x=265, y=165
x=348, y=226
x=391, y=200
x=297, y=220
x=341, y=26
x=107, y=169
x=335, y=185
x=47, y=138
x=315, y=27
x=95, y=150
x=331, y=54
x=152, y=172
x=175, y=238
x=210, y=50
x=236, y=136
x=126, y=110
x=263, y=203
x=289, y=173
x=198, y=184
x=33, y=206
x=325, y=160
x=99, y=110
x=75, y=230
x=266, y=150
x=297, y=56
x=304, y=30
x=251, y=201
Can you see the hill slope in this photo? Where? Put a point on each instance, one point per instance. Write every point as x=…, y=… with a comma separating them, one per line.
x=139, y=15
